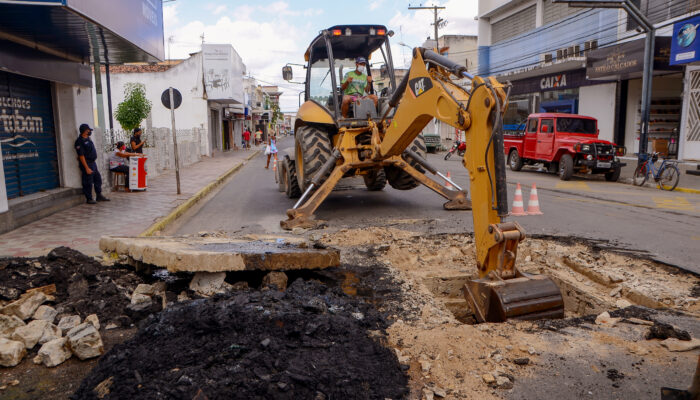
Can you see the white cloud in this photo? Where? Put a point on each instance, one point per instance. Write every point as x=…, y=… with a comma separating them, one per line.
x=220, y=9
x=170, y=15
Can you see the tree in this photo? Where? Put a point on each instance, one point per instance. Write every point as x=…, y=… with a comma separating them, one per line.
x=276, y=114
x=135, y=107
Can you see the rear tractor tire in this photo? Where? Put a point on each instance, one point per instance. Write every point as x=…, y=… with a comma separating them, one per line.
x=375, y=180
x=282, y=174
x=291, y=184
x=401, y=180
x=312, y=148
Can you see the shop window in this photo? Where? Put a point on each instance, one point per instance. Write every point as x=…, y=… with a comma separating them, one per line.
x=516, y=114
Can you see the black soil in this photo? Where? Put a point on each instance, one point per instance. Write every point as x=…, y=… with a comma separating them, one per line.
x=639, y=312
x=664, y=331
x=83, y=285
x=310, y=342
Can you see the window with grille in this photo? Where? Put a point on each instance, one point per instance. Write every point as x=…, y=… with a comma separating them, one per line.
x=661, y=10
x=520, y=22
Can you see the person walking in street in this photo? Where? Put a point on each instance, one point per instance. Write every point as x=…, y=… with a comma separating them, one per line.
x=117, y=161
x=90, y=175
x=258, y=137
x=136, y=143
x=246, y=139
x=271, y=149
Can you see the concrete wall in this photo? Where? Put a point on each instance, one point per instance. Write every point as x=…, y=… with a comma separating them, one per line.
x=599, y=102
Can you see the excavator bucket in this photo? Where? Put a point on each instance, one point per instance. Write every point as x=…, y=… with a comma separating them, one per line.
x=524, y=297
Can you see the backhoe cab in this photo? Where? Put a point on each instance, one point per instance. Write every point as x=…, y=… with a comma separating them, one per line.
x=383, y=144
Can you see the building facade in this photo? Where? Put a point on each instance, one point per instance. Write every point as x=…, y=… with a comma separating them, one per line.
x=586, y=61
x=45, y=92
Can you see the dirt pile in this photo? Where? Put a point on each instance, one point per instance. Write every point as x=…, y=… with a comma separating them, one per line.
x=83, y=285
x=310, y=342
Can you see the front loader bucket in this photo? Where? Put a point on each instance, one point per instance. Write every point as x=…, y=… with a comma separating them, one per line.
x=525, y=297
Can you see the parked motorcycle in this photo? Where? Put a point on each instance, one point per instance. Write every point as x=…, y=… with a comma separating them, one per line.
x=460, y=147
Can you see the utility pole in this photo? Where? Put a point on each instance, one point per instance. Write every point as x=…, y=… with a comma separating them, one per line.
x=436, y=21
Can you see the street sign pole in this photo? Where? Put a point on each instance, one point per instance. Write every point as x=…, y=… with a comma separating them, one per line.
x=177, y=156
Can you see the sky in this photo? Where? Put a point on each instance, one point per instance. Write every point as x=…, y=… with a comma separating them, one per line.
x=269, y=34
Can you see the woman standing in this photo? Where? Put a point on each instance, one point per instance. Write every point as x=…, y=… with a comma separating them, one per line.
x=271, y=149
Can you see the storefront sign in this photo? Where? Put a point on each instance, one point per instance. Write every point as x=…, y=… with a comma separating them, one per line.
x=544, y=83
x=626, y=60
x=685, y=44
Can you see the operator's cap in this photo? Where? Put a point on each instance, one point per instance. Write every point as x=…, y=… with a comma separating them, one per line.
x=84, y=127
x=359, y=60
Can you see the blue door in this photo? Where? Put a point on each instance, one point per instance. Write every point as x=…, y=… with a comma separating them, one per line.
x=27, y=135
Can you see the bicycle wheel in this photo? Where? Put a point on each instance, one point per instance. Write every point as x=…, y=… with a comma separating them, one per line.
x=669, y=177
x=640, y=175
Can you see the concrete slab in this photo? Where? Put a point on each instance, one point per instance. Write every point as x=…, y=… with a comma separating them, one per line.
x=216, y=254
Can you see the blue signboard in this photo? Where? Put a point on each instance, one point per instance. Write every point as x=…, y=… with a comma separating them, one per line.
x=685, y=43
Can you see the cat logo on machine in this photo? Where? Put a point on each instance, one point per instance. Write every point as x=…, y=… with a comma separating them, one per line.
x=420, y=85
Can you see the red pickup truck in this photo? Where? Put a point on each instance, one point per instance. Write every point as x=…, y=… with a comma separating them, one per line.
x=564, y=143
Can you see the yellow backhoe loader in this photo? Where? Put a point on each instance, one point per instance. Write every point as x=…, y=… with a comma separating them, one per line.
x=383, y=143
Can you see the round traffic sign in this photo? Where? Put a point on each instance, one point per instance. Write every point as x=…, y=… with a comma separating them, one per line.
x=165, y=98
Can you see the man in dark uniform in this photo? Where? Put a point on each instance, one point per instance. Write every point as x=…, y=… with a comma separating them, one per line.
x=136, y=143
x=87, y=154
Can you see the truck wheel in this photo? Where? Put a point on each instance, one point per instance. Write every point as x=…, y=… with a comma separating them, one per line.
x=312, y=148
x=375, y=180
x=400, y=180
x=291, y=184
x=514, y=160
x=566, y=167
x=614, y=175
x=282, y=174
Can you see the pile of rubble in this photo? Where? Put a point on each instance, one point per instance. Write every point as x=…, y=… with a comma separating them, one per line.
x=308, y=342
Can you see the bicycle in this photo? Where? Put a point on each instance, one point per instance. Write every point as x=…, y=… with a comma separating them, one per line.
x=666, y=176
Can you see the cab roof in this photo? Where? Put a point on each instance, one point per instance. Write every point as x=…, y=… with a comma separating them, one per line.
x=358, y=44
x=559, y=115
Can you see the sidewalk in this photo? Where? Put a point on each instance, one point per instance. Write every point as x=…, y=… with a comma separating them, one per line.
x=687, y=181
x=127, y=214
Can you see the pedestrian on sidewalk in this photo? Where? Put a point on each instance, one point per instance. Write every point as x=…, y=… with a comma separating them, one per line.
x=246, y=139
x=90, y=175
x=258, y=137
x=136, y=143
x=117, y=162
x=271, y=149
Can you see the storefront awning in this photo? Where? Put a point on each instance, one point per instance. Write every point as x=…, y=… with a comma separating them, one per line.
x=121, y=31
x=626, y=60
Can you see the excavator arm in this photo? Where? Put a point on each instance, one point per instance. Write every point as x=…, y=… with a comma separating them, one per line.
x=428, y=91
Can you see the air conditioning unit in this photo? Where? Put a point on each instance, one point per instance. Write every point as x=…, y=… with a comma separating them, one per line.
x=545, y=58
x=560, y=54
x=590, y=45
x=577, y=51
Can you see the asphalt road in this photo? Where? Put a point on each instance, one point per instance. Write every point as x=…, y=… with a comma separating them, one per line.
x=661, y=225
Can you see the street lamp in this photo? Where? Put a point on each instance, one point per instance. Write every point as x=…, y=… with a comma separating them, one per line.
x=648, y=27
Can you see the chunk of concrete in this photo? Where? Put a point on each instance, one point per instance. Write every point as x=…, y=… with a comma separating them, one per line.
x=11, y=352
x=92, y=319
x=209, y=283
x=30, y=334
x=606, y=320
x=51, y=332
x=47, y=313
x=54, y=352
x=138, y=299
x=85, y=341
x=68, y=322
x=25, y=306
x=673, y=344
x=144, y=288
x=216, y=254
x=277, y=279
x=8, y=323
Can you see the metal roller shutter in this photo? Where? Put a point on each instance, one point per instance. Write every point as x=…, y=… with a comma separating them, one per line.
x=520, y=22
x=27, y=135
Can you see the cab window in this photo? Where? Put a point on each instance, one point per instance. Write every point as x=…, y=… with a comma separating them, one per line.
x=532, y=125
x=549, y=124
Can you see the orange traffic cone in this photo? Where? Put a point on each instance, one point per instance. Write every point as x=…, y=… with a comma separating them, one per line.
x=533, y=205
x=447, y=183
x=518, y=209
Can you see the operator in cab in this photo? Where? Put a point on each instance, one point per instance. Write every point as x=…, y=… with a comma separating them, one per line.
x=355, y=85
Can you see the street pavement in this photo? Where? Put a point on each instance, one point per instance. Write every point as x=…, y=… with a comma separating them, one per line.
x=127, y=214
x=664, y=226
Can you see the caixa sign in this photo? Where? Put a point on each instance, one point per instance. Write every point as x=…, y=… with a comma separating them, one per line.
x=553, y=82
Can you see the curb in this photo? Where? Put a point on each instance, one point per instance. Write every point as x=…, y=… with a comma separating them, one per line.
x=686, y=190
x=189, y=203
x=628, y=181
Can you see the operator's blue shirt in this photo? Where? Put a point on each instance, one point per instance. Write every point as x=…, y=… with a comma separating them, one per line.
x=85, y=147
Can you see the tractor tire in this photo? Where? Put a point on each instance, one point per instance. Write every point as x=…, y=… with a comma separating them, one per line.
x=312, y=148
x=514, y=160
x=291, y=184
x=375, y=180
x=282, y=174
x=400, y=180
x=566, y=167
